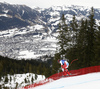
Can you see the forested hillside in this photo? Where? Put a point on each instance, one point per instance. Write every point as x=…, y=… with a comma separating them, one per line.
x=13, y=66
x=79, y=40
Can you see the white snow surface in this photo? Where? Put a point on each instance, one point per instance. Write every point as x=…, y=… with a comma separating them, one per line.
x=87, y=81
x=28, y=54
x=20, y=80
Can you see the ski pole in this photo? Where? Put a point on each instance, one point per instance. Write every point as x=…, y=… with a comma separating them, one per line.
x=73, y=61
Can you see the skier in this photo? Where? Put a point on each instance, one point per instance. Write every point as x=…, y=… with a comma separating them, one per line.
x=64, y=66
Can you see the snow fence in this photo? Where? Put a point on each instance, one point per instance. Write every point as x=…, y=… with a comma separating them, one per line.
x=58, y=75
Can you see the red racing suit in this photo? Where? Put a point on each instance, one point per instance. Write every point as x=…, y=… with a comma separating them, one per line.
x=64, y=65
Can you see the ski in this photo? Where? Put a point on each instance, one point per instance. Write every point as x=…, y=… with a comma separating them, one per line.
x=71, y=75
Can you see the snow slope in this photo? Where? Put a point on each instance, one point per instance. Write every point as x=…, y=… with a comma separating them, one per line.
x=87, y=81
x=19, y=80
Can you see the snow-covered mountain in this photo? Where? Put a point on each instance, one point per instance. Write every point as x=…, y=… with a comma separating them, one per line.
x=31, y=33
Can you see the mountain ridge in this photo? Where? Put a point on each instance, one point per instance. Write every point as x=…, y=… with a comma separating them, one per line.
x=31, y=33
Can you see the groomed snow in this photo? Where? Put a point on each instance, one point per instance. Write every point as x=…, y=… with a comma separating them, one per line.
x=88, y=81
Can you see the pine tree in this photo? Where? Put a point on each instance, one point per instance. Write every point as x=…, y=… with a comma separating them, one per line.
x=6, y=79
x=74, y=29
x=1, y=67
x=30, y=68
x=10, y=78
x=72, y=51
x=32, y=79
x=81, y=44
x=91, y=38
x=47, y=72
x=97, y=48
x=39, y=69
x=11, y=71
x=25, y=80
x=86, y=40
x=36, y=76
x=55, y=64
x=16, y=85
x=63, y=37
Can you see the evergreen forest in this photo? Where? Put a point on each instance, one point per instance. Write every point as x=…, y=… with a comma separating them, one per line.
x=77, y=40
x=14, y=66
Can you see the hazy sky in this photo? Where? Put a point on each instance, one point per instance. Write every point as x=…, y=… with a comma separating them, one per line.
x=48, y=3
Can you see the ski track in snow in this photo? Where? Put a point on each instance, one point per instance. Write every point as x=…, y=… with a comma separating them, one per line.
x=87, y=81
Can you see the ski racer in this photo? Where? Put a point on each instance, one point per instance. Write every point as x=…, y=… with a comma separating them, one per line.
x=64, y=66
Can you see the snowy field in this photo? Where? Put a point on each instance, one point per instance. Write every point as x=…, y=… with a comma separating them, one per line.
x=19, y=80
x=88, y=81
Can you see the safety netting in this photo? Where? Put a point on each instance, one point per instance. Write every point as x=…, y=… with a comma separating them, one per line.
x=60, y=74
